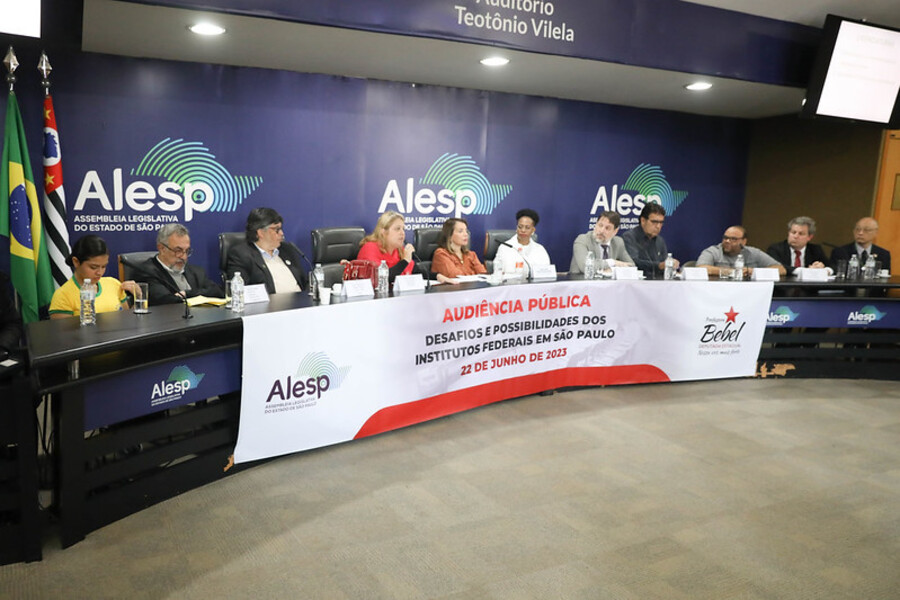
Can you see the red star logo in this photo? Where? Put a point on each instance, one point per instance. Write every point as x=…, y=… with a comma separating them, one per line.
x=730, y=315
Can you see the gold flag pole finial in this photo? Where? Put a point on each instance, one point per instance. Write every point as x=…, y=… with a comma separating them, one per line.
x=12, y=63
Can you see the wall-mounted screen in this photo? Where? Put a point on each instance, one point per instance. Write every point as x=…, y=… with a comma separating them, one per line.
x=20, y=17
x=856, y=75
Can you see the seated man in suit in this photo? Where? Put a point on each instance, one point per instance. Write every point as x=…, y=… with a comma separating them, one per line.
x=602, y=241
x=644, y=244
x=171, y=279
x=796, y=251
x=863, y=235
x=264, y=258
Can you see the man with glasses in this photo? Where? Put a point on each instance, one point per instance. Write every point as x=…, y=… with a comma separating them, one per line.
x=266, y=257
x=602, y=241
x=734, y=243
x=644, y=244
x=171, y=279
x=863, y=235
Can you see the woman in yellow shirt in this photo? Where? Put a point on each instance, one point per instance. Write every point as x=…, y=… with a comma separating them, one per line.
x=89, y=259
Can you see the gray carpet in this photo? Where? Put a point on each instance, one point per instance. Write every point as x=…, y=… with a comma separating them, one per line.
x=745, y=489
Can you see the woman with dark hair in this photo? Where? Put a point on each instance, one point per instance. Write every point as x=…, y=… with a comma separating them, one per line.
x=453, y=257
x=266, y=257
x=522, y=245
x=89, y=259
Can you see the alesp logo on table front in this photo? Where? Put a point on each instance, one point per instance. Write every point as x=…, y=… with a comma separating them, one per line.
x=315, y=375
x=864, y=316
x=180, y=380
x=647, y=183
x=782, y=316
x=452, y=186
x=184, y=179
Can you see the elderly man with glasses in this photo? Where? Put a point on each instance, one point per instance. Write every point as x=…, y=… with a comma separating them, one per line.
x=171, y=279
x=734, y=244
x=862, y=246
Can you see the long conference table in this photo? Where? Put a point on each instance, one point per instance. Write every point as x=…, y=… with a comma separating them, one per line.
x=145, y=407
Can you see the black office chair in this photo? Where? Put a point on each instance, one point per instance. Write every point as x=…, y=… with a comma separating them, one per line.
x=492, y=239
x=129, y=264
x=226, y=241
x=425, y=241
x=334, y=244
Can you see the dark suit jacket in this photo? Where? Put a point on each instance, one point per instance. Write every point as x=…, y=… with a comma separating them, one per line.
x=783, y=253
x=844, y=253
x=163, y=288
x=247, y=259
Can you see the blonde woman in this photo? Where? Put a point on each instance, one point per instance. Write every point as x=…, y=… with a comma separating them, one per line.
x=388, y=243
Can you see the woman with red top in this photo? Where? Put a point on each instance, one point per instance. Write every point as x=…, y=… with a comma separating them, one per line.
x=453, y=257
x=388, y=243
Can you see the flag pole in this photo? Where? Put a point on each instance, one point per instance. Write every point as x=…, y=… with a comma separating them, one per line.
x=54, y=197
x=12, y=64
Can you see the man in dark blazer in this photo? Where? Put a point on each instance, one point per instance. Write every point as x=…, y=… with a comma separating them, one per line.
x=797, y=251
x=171, y=279
x=863, y=235
x=266, y=258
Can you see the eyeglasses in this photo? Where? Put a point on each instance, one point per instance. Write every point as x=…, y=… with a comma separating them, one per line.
x=275, y=228
x=728, y=238
x=657, y=221
x=179, y=251
x=865, y=229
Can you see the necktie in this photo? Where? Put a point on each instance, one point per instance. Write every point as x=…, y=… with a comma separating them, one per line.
x=863, y=258
x=605, y=251
x=797, y=262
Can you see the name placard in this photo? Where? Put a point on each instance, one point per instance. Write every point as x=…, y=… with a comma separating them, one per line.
x=626, y=273
x=358, y=288
x=544, y=272
x=694, y=274
x=766, y=274
x=808, y=274
x=255, y=293
x=409, y=283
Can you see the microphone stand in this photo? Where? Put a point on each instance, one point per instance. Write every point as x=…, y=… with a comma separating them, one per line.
x=418, y=262
x=530, y=274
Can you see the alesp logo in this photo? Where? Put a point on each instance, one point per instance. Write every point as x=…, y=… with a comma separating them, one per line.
x=180, y=380
x=186, y=179
x=315, y=375
x=782, y=315
x=457, y=188
x=864, y=316
x=647, y=183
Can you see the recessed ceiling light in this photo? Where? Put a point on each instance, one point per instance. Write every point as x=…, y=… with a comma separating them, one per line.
x=207, y=29
x=494, y=61
x=698, y=86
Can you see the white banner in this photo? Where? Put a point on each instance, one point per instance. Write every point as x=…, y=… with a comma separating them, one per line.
x=327, y=374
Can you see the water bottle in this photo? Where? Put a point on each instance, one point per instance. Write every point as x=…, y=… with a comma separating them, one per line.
x=853, y=267
x=498, y=269
x=87, y=295
x=317, y=281
x=383, y=276
x=739, y=268
x=670, y=267
x=869, y=268
x=589, y=265
x=237, y=293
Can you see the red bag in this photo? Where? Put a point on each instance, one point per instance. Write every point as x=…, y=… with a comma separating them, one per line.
x=361, y=269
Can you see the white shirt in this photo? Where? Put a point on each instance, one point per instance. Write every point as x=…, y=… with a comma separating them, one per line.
x=512, y=257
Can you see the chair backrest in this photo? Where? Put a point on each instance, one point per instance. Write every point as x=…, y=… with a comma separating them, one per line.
x=129, y=263
x=492, y=239
x=334, y=244
x=425, y=241
x=226, y=241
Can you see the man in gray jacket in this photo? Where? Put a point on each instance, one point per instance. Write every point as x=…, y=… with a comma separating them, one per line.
x=602, y=241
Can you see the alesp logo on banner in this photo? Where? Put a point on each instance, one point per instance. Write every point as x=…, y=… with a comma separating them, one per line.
x=647, y=183
x=455, y=187
x=721, y=335
x=180, y=380
x=782, y=316
x=866, y=315
x=315, y=376
x=185, y=180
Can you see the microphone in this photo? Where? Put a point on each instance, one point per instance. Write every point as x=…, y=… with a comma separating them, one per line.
x=418, y=262
x=309, y=264
x=187, y=310
x=522, y=254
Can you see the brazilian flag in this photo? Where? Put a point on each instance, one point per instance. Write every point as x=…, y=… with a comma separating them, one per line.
x=20, y=219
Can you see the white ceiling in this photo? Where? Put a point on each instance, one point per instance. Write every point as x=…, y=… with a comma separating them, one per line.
x=129, y=29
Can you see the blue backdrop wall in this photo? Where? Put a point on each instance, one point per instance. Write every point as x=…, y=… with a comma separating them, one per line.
x=146, y=142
